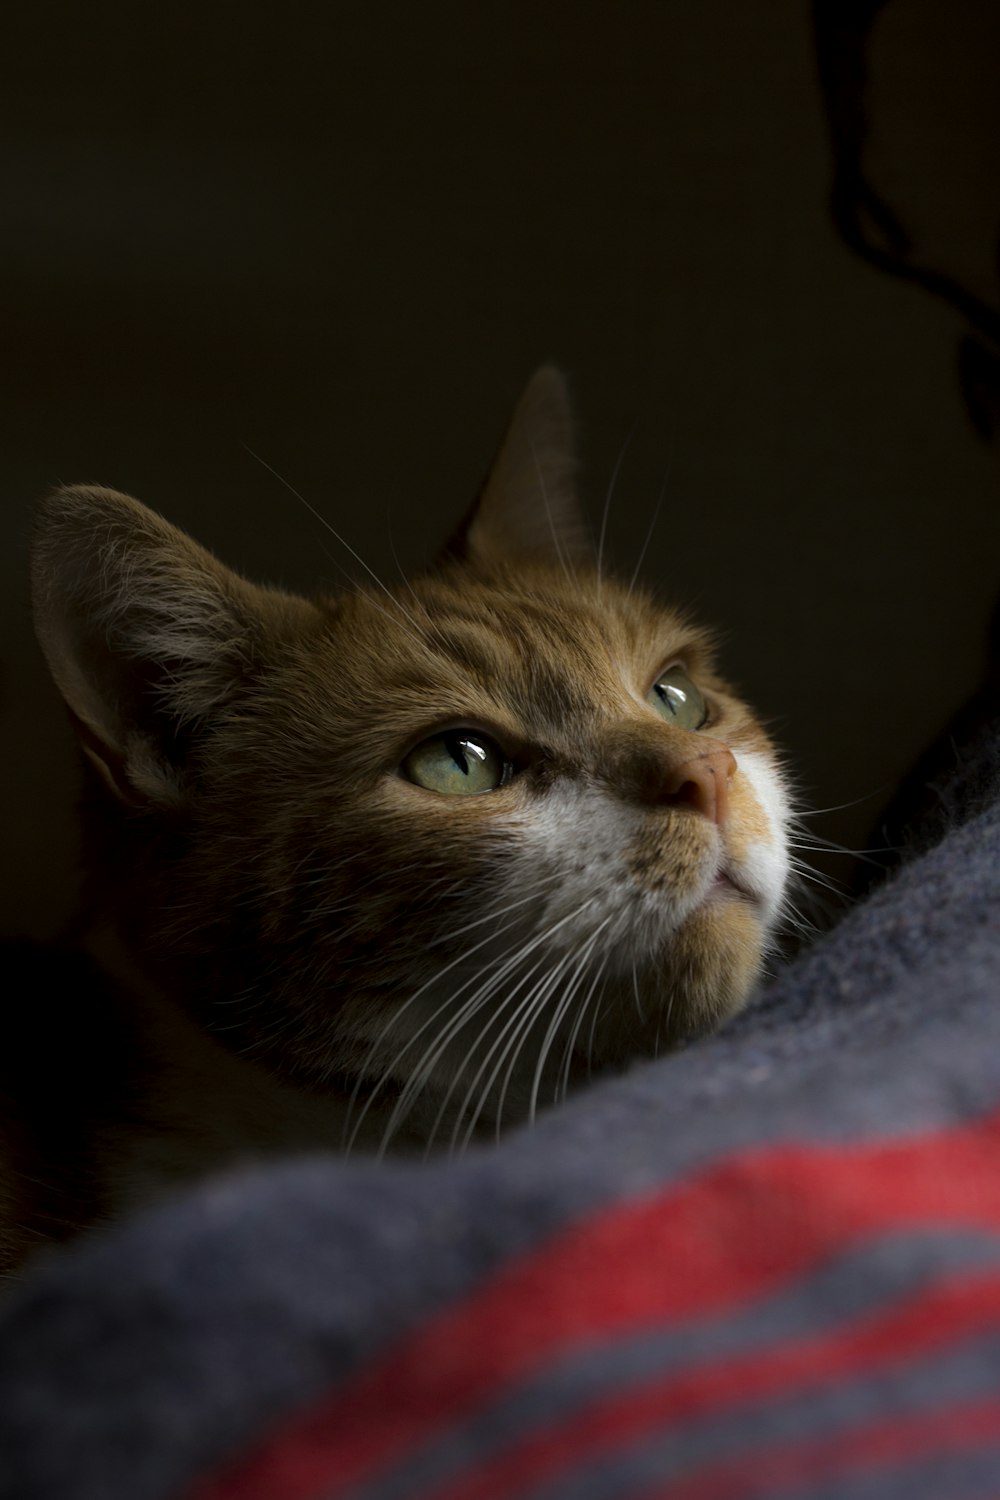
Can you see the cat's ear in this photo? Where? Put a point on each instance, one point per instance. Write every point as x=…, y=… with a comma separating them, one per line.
x=145, y=633
x=528, y=507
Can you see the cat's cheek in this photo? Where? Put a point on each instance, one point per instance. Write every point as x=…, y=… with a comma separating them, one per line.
x=757, y=835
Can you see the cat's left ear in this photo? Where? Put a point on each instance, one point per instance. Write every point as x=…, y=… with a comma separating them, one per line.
x=528, y=507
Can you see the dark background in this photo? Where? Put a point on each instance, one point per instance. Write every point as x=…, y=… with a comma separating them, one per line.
x=343, y=235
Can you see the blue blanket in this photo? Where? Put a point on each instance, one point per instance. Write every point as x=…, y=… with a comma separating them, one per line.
x=766, y=1265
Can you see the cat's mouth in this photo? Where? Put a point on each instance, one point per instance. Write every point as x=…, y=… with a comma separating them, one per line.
x=726, y=887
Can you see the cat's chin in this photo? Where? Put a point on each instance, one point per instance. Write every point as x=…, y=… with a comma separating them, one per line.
x=712, y=963
x=724, y=887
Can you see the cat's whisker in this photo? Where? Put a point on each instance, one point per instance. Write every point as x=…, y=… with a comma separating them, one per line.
x=607, y=506
x=393, y=1023
x=469, y=1009
x=820, y=812
x=496, y=1019
x=523, y=1015
x=827, y=882
x=532, y=1009
x=827, y=846
x=570, y=1048
x=561, y=1010
x=488, y=984
x=388, y=615
x=593, y=1026
x=519, y=1025
x=635, y=991
x=443, y=886
x=530, y=898
x=650, y=529
x=382, y=938
x=560, y=553
x=670, y=1011
x=337, y=537
x=429, y=1060
x=404, y=580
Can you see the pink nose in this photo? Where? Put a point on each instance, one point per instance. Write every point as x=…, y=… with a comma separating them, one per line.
x=702, y=782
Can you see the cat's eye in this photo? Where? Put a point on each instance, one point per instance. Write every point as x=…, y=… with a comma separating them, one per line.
x=459, y=763
x=675, y=696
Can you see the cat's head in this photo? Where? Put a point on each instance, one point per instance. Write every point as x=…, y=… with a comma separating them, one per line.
x=454, y=844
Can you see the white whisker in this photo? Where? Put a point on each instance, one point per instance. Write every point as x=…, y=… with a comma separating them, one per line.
x=652, y=525
x=548, y=511
x=560, y=1011
x=337, y=537
x=607, y=504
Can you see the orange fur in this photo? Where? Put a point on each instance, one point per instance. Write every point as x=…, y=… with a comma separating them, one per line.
x=319, y=950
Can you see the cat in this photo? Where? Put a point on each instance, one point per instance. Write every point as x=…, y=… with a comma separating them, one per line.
x=386, y=871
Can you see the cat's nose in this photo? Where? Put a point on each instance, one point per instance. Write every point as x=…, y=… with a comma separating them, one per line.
x=702, y=782
x=693, y=771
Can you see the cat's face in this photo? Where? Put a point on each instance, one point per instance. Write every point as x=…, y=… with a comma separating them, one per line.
x=452, y=846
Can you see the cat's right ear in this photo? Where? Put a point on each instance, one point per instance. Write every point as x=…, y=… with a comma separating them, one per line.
x=145, y=634
x=528, y=507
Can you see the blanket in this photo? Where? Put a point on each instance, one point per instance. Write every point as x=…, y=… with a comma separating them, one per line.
x=766, y=1265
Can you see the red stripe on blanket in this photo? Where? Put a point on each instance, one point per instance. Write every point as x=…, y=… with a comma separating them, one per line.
x=867, y=1450
x=915, y=1329
x=733, y=1233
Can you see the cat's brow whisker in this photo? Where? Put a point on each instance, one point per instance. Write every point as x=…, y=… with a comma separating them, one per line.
x=418, y=602
x=607, y=505
x=388, y=615
x=334, y=533
x=650, y=529
x=548, y=512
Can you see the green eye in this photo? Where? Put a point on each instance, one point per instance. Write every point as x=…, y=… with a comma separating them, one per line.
x=461, y=763
x=675, y=696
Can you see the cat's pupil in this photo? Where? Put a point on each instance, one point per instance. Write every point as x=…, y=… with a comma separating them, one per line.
x=678, y=700
x=461, y=750
x=457, y=763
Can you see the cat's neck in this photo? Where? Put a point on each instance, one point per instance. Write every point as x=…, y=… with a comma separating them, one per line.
x=203, y=1107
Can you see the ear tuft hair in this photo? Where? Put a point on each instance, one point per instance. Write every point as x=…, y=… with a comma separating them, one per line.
x=144, y=631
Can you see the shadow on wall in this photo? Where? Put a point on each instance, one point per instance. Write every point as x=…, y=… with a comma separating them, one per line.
x=914, y=112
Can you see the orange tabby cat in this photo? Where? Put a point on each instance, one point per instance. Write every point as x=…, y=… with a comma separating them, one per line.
x=395, y=868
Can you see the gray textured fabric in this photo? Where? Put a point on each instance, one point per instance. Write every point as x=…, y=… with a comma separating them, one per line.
x=134, y=1360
